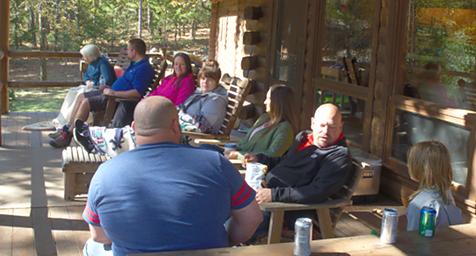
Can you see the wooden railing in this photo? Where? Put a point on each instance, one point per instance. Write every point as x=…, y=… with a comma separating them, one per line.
x=49, y=54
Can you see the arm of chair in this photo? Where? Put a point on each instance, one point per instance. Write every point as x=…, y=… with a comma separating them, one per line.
x=196, y=135
x=277, y=210
x=278, y=206
x=217, y=142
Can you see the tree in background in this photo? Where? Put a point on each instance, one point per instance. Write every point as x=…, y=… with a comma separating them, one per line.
x=67, y=24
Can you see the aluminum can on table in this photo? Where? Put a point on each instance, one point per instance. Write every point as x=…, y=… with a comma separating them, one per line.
x=302, y=237
x=427, y=224
x=388, y=234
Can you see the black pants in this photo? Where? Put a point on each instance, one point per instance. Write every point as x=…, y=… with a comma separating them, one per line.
x=124, y=114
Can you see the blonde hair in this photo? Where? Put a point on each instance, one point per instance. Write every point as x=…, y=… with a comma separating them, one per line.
x=429, y=163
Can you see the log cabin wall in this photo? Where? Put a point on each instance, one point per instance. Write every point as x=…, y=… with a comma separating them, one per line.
x=240, y=32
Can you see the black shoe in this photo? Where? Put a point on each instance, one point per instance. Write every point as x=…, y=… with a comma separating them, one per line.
x=63, y=140
x=82, y=136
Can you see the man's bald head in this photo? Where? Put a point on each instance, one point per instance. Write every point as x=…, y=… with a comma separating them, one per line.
x=329, y=110
x=154, y=115
x=326, y=125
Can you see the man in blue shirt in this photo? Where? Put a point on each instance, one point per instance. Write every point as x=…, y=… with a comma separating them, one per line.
x=131, y=85
x=165, y=196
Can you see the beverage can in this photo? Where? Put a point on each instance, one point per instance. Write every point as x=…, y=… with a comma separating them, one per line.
x=427, y=222
x=388, y=234
x=302, y=237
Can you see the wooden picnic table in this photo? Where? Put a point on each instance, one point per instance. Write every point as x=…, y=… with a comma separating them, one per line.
x=454, y=240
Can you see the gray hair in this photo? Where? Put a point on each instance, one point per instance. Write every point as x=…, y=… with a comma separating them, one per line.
x=91, y=50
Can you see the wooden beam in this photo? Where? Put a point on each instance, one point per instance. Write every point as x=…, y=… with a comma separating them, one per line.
x=43, y=54
x=53, y=54
x=4, y=33
x=42, y=84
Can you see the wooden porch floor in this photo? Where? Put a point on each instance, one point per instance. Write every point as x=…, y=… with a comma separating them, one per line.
x=34, y=218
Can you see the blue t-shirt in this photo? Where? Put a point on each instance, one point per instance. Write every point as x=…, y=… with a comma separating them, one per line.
x=96, y=69
x=163, y=197
x=137, y=76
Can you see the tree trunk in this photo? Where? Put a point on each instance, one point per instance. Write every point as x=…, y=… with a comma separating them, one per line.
x=193, y=30
x=149, y=20
x=32, y=26
x=57, y=23
x=16, y=19
x=176, y=31
x=139, y=23
x=78, y=17
x=42, y=25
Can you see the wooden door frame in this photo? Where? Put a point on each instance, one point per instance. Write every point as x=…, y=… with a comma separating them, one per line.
x=360, y=92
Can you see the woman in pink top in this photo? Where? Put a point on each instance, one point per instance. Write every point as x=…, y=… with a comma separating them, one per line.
x=180, y=85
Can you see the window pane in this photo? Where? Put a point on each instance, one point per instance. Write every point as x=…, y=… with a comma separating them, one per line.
x=440, y=62
x=410, y=128
x=349, y=26
x=289, y=41
x=352, y=113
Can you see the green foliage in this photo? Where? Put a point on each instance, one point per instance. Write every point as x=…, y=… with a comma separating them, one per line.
x=69, y=24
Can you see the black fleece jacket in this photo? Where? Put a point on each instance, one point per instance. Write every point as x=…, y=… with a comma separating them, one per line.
x=310, y=175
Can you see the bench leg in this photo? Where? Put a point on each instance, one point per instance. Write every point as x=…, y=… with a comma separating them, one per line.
x=69, y=184
x=325, y=223
x=275, y=226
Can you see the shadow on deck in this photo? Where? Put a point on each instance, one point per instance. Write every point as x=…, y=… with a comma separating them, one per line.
x=34, y=218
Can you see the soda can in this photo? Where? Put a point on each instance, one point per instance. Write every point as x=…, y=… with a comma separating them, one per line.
x=427, y=222
x=388, y=234
x=302, y=237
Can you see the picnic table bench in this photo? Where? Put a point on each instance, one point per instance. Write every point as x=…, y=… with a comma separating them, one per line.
x=453, y=240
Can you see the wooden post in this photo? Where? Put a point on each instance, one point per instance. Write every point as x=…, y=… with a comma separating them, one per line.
x=4, y=23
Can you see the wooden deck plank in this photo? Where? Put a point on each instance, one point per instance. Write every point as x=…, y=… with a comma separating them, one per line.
x=63, y=232
x=22, y=234
x=81, y=229
x=6, y=229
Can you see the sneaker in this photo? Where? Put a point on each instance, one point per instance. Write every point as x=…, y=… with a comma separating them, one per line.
x=62, y=140
x=82, y=136
x=58, y=132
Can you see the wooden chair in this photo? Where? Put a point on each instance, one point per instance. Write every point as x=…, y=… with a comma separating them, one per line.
x=237, y=89
x=327, y=219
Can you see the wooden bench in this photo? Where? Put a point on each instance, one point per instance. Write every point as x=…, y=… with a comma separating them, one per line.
x=78, y=168
x=326, y=218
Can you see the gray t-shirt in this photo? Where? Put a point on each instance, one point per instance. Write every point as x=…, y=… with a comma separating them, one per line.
x=446, y=214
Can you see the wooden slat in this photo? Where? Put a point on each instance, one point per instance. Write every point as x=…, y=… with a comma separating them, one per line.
x=43, y=84
x=63, y=234
x=6, y=230
x=22, y=236
x=432, y=110
x=357, y=91
x=64, y=54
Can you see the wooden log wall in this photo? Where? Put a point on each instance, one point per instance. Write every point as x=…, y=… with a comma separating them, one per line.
x=240, y=39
